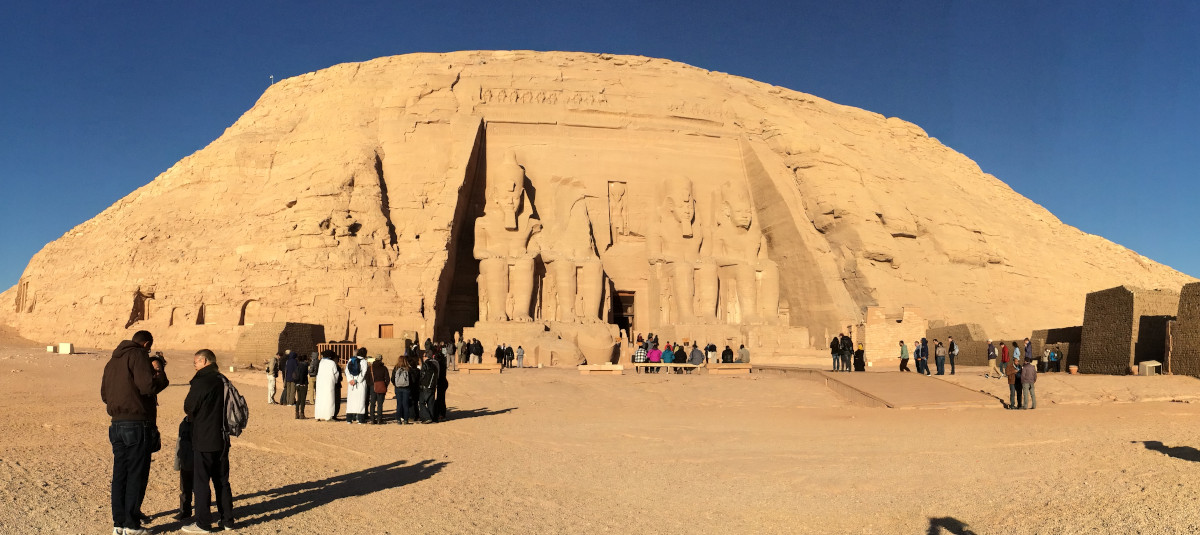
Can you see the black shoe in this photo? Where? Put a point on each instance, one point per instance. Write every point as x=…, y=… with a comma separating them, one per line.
x=182, y=515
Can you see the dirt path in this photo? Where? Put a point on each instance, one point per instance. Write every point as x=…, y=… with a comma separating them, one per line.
x=549, y=451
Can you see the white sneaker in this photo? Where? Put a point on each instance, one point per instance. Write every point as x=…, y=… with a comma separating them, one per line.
x=196, y=528
x=137, y=531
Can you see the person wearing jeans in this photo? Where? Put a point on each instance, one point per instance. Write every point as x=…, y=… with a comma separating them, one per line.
x=1028, y=378
x=1011, y=371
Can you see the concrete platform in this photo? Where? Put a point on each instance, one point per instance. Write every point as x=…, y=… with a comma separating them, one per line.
x=478, y=368
x=601, y=369
x=728, y=368
x=897, y=390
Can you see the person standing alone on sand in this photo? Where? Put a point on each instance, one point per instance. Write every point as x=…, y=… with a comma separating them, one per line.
x=129, y=388
x=205, y=408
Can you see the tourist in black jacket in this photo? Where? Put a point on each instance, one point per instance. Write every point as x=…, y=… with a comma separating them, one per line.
x=205, y=407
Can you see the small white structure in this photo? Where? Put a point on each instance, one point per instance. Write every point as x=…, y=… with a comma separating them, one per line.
x=50, y=349
x=66, y=348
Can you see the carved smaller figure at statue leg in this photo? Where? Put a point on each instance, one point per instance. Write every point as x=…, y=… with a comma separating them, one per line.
x=521, y=284
x=494, y=272
x=591, y=289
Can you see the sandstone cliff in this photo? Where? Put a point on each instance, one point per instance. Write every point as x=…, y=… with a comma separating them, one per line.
x=341, y=196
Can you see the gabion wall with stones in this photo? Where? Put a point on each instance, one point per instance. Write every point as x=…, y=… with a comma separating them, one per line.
x=1123, y=326
x=1185, y=350
x=261, y=341
x=1066, y=338
x=971, y=340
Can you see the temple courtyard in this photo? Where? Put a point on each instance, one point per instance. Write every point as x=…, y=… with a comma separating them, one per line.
x=551, y=451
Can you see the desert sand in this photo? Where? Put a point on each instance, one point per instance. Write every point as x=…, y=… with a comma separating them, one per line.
x=550, y=451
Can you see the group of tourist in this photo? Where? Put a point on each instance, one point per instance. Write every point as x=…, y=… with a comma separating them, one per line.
x=999, y=356
x=845, y=357
x=920, y=353
x=648, y=352
x=129, y=388
x=417, y=381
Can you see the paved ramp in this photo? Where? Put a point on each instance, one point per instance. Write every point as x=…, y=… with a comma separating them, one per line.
x=897, y=390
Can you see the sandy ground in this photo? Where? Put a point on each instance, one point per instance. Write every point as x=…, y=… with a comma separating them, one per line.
x=550, y=451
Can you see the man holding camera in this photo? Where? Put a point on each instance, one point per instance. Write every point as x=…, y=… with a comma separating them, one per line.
x=130, y=388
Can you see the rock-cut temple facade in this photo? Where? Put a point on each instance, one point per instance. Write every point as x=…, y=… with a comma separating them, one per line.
x=563, y=201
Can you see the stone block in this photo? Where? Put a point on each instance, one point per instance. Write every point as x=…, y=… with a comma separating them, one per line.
x=728, y=369
x=66, y=348
x=479, y=368
x=601, y=369
x=1123, y=326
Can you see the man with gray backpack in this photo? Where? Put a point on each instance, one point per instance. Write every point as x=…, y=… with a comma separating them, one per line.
x=212, y=408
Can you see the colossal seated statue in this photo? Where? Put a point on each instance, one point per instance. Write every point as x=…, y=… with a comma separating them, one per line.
x=678, y=243
x=740, y=249
x=504, y=246
x=568, y=247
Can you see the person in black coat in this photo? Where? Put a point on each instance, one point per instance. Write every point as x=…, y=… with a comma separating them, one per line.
x=439, y=405
x=205, y=408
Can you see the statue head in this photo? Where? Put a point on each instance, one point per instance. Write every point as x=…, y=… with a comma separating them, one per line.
x=678, y=193
x=506, y=190
x=735, y=203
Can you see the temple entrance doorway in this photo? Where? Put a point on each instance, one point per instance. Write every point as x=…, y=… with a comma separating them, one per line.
x=623, y=313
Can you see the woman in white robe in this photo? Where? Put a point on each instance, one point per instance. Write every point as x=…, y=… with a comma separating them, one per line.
x=328, y=376
x=356, y=391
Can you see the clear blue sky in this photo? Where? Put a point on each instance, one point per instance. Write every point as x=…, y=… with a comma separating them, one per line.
x=1090, y=108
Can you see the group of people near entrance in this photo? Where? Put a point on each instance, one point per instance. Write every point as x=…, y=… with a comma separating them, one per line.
x=416, y=379
x=130, y=386
x=648, y=351
x=845, y=357
x=920, y=353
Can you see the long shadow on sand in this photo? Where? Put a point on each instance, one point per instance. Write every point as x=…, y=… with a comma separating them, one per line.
x=454, y=413
x=1186, y=453
x=948, y=525
x=296, y=498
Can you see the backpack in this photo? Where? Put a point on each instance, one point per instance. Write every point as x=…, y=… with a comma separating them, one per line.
x=354, y=367
x=237, y=414
x=429, y=377
x=400, y=378
x=313, y=368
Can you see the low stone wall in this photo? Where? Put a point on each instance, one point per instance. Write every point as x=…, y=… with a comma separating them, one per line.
x=1123, y=326
x=262, y=341
x=1185, y=343
x=971, y=340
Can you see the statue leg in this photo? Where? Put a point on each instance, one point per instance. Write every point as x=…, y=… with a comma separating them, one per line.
x=768, y=291
x=683, y=282
x=565, y=284
x=747, y=289
x=591, y=286
x=494, y=272
x=521, y=281
x=706, y=291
